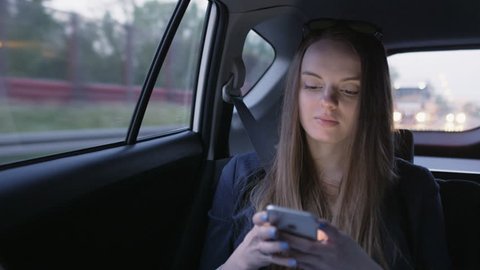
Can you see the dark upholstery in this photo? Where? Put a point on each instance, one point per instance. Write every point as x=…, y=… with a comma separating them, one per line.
x=461, y=207
x=403, y=141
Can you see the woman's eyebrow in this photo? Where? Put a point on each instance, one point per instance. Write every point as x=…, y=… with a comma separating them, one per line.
x=309, y=73
x=352, y=78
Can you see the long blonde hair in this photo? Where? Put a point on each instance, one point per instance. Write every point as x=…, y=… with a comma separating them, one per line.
x=292, y=179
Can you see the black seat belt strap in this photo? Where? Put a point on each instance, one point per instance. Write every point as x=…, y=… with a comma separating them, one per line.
x=257, y=138
x=232, y=94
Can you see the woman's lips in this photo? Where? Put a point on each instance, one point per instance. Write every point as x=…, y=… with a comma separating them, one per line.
x=326, y=122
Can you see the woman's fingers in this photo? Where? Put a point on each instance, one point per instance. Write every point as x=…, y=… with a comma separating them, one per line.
x=261, y=248
x=309, y=261
x=273, y=247
x=284, y=261
x=260, y=218
x=267, y=232
x=301, y=244
x=265, y=244
x=264, y=230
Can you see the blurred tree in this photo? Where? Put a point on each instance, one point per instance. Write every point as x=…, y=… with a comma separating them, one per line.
x=149, y=23
x=34, y=41
x=101, y=45
x=181, y=63
x=45, y=43
x=104, y=44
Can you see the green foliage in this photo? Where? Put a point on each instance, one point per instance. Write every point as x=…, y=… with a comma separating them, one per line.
x=35, y=41
x=58, y=45
x=180, y=66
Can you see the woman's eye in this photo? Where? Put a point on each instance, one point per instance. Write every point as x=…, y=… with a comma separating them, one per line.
x=311, y=86
x=349, y=92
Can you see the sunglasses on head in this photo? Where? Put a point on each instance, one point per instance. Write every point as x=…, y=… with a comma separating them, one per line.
x=357, y=26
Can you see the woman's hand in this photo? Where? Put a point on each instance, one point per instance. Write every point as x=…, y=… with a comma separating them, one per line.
x=336, y=251
x=259, y=248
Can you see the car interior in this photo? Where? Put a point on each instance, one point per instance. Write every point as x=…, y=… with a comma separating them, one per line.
x=142, y=203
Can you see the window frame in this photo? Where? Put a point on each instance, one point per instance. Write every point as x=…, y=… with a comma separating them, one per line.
x=131, y=134
x=441, y=144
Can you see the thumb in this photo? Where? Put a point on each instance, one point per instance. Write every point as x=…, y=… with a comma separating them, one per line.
x=326, y=231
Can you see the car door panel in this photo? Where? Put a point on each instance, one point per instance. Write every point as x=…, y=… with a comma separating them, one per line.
x=113, y=208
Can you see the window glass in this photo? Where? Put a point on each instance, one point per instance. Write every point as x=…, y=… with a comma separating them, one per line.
x=170, y=105
x=71, y=71
x=436, y=91
x=257, y=56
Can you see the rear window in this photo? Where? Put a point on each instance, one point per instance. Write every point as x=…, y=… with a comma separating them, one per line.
x=436, y=91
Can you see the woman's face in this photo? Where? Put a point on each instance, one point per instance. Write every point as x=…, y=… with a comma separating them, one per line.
x=329, y=92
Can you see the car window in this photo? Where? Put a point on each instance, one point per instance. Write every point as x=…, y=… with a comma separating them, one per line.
x=71, y=72
x=436, y=91
x=171, y=103
x=257, y=56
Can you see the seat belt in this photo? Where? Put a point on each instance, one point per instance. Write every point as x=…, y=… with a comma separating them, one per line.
x=231, y=93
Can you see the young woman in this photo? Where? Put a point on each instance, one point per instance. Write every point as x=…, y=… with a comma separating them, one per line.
x=335, y=159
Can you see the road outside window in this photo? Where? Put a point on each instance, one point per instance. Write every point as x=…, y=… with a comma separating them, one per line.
x=436, y=91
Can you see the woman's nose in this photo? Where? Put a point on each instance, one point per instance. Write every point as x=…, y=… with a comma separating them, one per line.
x=329, y=98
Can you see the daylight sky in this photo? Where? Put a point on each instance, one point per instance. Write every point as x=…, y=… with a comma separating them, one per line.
x=96, y=8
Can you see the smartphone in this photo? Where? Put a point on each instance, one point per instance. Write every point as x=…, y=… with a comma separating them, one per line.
x=292, y=221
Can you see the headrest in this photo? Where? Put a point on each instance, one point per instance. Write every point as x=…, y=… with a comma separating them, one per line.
x=403, y=141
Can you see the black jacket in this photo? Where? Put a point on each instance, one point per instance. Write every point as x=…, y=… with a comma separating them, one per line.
x=412, y=214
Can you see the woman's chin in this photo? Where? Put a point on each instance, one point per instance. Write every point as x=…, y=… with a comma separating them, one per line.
x=327, y=138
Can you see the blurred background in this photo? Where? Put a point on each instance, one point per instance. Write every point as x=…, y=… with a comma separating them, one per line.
x=71, y=73
x=436, y=90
